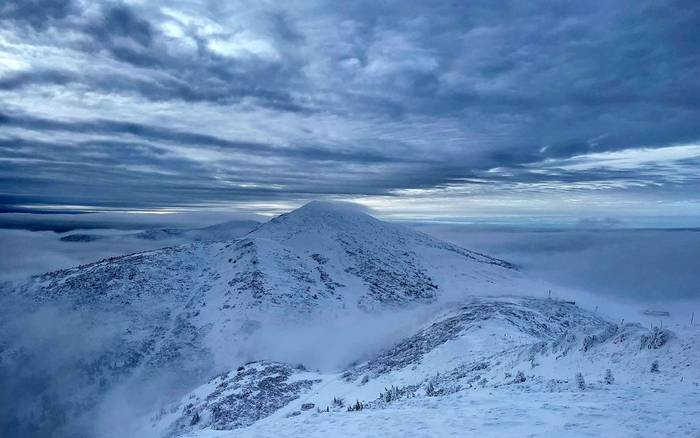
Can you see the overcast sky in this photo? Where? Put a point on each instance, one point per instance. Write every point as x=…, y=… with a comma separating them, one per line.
x=417, y=109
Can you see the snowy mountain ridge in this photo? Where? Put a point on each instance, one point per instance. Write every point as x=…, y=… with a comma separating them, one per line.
x=508, y=346
x=323, y=281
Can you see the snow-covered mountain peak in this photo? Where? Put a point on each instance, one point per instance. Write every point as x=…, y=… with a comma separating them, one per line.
x=331, y=207
x=188, y=312
x=320, y=219
x=375, y=263
x=194, y=309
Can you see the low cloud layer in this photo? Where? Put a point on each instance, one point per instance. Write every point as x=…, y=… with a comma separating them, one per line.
x=539, y=107
x=48, y=242
x=605, y=256
x=630, y=265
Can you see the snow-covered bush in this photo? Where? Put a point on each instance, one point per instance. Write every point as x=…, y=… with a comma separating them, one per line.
x=588, y=342
x=389, y=394
x=358, y=406
x=609, y=378
x=430, y=388
x=555, y=385
x=338, y=402
x=591, y=341
x=580, y=382
x=654, y=366
x=395, y=393
x=195, y=418
x=563, y=344
x=656, y=338
x=519, y=377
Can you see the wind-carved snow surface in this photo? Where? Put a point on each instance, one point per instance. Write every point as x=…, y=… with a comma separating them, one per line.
x=390, y=317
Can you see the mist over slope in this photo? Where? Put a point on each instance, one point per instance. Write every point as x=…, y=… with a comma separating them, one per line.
x=168, y=319
x=641, y=267
x=315, y=316
x=74, y=243
x=495, y=366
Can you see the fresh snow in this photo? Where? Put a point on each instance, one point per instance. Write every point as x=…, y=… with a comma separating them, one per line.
x=661, y=409
x=241, y=337
x=498, y=367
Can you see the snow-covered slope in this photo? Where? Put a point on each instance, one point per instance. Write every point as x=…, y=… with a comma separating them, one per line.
x=377, y=263
x=213, y=233
x=320, y=255
x=488, y=352
x=190, y=310
x=163, y=323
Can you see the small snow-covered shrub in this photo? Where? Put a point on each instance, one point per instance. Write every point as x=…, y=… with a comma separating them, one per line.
x=389, y=394
x=591, y=341
x=195, y=418
x=395, y=393
x=555, y=385
x=338, y=402
x=656, y=338
x=563, y=344
x=358, y=406
x=365, y=379
x=519, y=377
x=654, y=366
x=307, y=406
x=580, y=382
x=609, y=378
x=430, y=390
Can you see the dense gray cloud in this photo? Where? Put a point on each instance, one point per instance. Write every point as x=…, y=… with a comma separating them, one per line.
x=145, y=105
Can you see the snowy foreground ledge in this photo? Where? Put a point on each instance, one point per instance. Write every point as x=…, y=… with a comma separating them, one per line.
x=661, y=410
x=495, y=367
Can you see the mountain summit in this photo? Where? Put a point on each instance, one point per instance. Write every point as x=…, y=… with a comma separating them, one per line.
x=204, y=336
x=374, y=263
x=317, y=255
x=188, y=310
